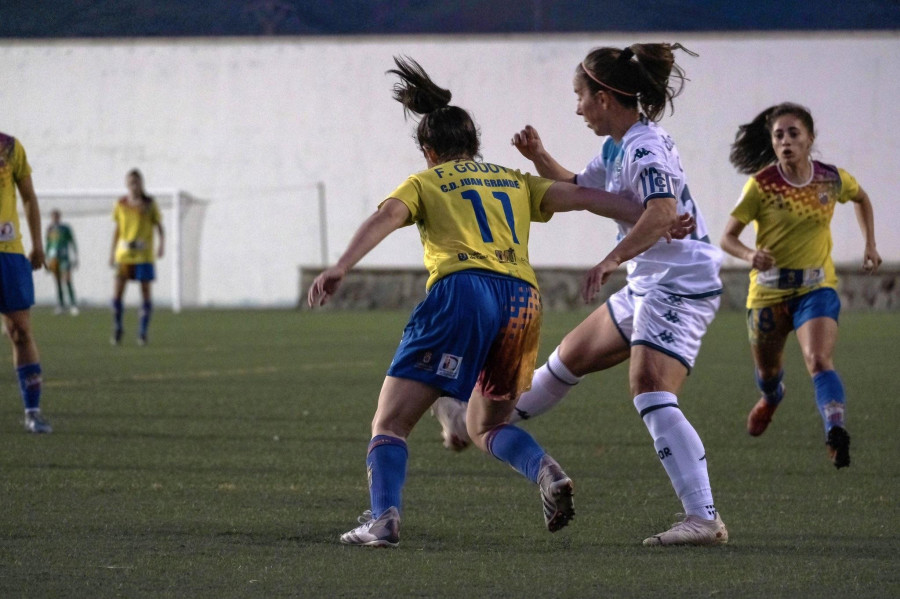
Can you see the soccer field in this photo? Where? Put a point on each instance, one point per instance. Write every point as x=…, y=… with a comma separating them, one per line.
x=225, y=458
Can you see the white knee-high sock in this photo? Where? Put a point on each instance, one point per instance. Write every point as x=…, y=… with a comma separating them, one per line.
x=680, y=450
x=550, y=384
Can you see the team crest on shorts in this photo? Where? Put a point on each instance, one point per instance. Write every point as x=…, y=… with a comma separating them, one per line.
x=449, y=366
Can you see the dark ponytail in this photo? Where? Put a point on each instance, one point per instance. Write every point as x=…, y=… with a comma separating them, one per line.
x=448, y=130
x=752, y=149
x=644, y=75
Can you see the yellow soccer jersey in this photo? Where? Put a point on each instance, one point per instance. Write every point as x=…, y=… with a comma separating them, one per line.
x=794, y=223
x=474, y=215
x=13, y=167
x=136, y=225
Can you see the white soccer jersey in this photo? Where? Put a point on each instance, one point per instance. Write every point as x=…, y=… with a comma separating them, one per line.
x=644, y=166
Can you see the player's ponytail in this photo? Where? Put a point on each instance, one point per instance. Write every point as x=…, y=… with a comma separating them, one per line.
x=644, y=75
x=752, y=149
x=448, y=130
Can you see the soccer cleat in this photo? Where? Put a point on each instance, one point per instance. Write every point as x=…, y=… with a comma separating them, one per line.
x=142, y=340
x=693, y=530
x=557, y=493
x=35, y=423
x=838, y=445
x=74, y=311
x=760, y=417
x=451, y=413
x=383, y=531
x=58, y=310
x=116, y=338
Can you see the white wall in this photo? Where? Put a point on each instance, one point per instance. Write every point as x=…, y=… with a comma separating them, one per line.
x=252, y=125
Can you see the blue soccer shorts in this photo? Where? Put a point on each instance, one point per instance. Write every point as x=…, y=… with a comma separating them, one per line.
x=473, y=328
x=16, y=283
x=144, y=271
x=773, y=323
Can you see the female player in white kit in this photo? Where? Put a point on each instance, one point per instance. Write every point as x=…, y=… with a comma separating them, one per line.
x=673, y=289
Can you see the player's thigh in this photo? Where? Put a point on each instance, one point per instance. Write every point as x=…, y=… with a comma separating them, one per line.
x=768, y=329
x=595, y=344
x=401, y=404
x=654, y=370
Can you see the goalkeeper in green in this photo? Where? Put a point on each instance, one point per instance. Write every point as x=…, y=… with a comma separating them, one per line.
x=62, y=259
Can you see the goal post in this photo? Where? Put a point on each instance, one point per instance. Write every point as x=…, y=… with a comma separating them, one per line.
x=89, y=213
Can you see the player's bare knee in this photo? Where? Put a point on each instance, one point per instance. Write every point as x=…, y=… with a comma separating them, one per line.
x=19, y=335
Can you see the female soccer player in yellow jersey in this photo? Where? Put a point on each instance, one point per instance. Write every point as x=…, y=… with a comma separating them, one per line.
x=476, y=332
x=791, y=198
x=136, y=216
x=16, y=282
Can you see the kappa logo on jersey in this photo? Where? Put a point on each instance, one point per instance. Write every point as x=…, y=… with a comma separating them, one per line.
x=640, y=153
x=671, y=317
x=449, y=366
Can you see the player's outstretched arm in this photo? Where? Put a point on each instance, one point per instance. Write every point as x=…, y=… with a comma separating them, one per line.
x=392, y=215
x=529, y=144
x=659, y=217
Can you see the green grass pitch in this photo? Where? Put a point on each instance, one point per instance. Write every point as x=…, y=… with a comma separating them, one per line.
x=225, y=458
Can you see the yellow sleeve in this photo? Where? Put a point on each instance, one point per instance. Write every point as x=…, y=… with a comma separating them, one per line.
x=849, y=187
x=537, y=187
x=408, y=192
x=748, y=206
x=21, y=168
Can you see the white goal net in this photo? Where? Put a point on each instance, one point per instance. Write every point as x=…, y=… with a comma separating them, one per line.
x=89, y=213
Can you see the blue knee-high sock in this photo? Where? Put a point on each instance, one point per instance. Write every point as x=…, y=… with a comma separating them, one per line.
x=117, y=315
x=830, y=398
x=30, y=385
x=146, y=309
x=517, y=448
x=772, y=389
x=386, y=465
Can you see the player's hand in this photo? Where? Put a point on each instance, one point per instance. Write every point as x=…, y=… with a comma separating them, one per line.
x=871, y=260
x=762, y=259
x=37, y=258
x=597, y=277
x=528, y=142
x=684, y=227
x=324, y=286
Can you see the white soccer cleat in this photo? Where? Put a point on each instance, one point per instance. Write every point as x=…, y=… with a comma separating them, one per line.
x=693, y=530
x=451, y=413
x=383, y=531
x=35, y=423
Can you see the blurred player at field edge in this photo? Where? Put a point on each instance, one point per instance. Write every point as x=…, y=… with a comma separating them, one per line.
x=16, y=281
x=136, y=216
x=475, y=335
x=61, y=262
x=790, y=198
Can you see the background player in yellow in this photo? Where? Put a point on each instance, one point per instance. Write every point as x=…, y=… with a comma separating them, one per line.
x=137, y=217
x=62, y=259
x=790, y=200
x=16, y=282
